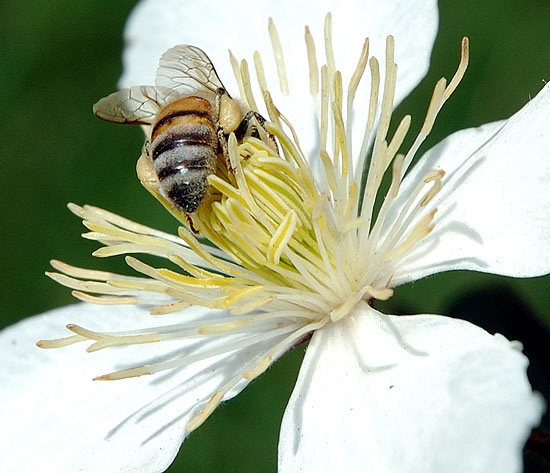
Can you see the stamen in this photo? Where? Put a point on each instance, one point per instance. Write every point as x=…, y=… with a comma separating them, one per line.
x=345, y=308
x=259, y=369
x=80, y=273
x=329, y=172
x=380, y=294
x=223, y=328
x=340, y=140
x=440, y=95
x=325, y=97
x=279, y=255
x=245, y=77
x=379, y=165
x=260, y=73
x=312, y=63
x=103, y=300
x=281, y=238
x=237, y=74
x=329, y=52
x=373, y=103
x=169, y=308
x=406, y=215
x=420, y=230
x=253, y=305
x=399, y=136
x=463, y=65
x=433, y=191
x=352, y=89
x=59, y=342
x=205, y=412
x=278, y=55
x=104, y=340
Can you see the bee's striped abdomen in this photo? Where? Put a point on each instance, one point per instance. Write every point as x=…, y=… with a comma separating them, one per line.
x=183, y=149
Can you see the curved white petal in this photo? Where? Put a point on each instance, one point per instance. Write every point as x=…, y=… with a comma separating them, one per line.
x=60, y=421
x=156, y=25
x=494, y=208
x=446, y=397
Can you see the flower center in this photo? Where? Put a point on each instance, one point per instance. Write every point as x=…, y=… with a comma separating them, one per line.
x=284, y=250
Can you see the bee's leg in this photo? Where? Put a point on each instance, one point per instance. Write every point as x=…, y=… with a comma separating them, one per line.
x=253, y=125
x=190, y=222
x=222, y=140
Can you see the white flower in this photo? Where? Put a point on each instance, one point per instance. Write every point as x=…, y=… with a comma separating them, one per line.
x=302, y=256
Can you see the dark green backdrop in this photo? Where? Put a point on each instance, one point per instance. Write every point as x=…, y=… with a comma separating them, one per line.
x=57, y=57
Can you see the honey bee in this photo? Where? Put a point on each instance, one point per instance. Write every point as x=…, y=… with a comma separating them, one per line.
x=189, y=114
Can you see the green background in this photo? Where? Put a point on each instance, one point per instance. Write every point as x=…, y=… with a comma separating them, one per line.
x=57, y=57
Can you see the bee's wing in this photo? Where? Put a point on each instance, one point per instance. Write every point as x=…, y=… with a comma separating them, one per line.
x=188, y=70
x=136, y=105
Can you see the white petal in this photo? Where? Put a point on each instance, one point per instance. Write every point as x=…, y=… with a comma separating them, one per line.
x=494, y=208
x=367, y=401
x=156, y=25
x=59, y=420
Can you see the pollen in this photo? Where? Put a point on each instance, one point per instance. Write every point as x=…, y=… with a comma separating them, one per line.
x=280, y=246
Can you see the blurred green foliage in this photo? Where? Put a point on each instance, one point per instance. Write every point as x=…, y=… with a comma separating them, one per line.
x=59, y=56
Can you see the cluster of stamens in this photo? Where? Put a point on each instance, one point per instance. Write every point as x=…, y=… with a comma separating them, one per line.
x=286, y=253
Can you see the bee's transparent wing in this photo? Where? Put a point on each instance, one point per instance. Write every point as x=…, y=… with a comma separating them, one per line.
x=188, y=70
x=136, y=105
